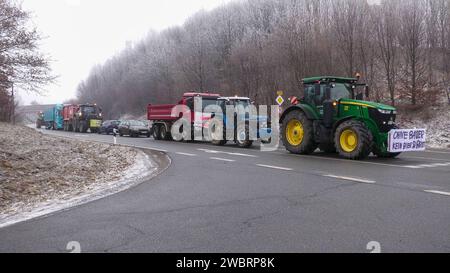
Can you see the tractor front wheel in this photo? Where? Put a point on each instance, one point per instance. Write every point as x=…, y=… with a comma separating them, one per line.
x=297, y=133
x=353, y=140
x=243, y=137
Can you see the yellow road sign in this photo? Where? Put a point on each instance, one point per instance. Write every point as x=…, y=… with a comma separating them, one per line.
x=279, y=100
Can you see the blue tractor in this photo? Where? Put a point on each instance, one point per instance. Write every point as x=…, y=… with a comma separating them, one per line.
x=241, y=134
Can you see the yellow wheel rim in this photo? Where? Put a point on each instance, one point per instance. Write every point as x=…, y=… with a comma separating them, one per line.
x=349, y=140
x=294, y=132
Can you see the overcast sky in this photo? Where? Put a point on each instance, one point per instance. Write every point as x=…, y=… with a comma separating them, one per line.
x=82, y=33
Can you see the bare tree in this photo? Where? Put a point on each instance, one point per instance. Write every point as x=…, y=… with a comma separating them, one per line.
x=386, y=24
x=412, y=38
x=21, y=63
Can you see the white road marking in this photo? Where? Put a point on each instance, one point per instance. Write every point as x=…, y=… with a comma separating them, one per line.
x=241, y=154
x=368, y=162
x=355, y=179
x=438, y=192
x=222, y=159
x=186, y=154
x=209, y=151
x=227, y=153
x=422, y=157
x=437, y=152
x=274, y=167
x=427, y=165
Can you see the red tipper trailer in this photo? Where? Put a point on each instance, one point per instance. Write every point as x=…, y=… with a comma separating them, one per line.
x=161, y=115
x=69, y=112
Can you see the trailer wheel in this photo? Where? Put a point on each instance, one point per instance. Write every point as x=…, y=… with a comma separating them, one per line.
x=163, y=133
x=298, y=133
x=156, y=134
x=353, y=140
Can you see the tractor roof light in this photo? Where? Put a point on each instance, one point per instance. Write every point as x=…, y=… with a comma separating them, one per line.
x=335, y=103
x=386, y=112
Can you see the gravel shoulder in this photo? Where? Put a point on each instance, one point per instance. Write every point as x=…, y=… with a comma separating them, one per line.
x=41, y=174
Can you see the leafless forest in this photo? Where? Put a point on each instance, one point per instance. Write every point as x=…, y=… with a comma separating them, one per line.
x=256, y=47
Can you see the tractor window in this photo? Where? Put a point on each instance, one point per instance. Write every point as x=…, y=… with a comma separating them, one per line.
x=340, y=91
x=244, y=103
x=310, y=94
x=206, y=102
x=89, y=110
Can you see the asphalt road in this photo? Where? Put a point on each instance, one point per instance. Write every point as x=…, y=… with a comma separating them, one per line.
x=227, y=199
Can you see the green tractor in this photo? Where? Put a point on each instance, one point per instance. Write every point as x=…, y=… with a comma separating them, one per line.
x=334, y=117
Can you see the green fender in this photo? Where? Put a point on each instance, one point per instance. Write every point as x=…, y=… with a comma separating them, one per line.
x=306, y=109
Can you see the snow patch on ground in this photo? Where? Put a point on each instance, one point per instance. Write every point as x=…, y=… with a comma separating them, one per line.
x=41, y=174
x=437, y=125
x=143, y=168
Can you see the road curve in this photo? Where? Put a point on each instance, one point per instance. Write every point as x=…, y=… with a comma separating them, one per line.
x=226, y=199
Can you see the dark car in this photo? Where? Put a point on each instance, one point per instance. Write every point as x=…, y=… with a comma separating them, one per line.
x=133, y=128
x=108, y=126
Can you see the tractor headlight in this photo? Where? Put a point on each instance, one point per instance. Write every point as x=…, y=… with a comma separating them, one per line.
x=386, y=112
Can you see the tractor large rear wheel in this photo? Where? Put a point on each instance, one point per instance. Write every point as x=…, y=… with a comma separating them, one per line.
x=353, y=140
x=297, y=133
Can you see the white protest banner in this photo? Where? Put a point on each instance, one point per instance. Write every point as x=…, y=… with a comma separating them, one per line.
x=405, y=140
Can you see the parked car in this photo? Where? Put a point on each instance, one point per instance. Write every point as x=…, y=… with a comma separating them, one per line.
x=133, y=128
x=108, y=126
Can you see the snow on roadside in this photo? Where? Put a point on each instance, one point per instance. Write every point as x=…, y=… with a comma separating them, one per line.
x=41, y=174
x=438, y=125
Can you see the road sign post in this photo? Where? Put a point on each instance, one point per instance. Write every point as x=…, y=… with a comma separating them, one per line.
x=115, y=136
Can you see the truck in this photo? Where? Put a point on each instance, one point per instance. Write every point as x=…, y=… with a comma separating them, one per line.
x=241, y=134
x=53, y=118
x=333, y=116
x=82, y=117
x=161, y=118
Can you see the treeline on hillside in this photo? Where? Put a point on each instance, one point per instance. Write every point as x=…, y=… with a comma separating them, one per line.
x=256, y=47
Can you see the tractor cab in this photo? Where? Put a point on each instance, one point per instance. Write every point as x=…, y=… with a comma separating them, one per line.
x=335, y=115
x=320, y=89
